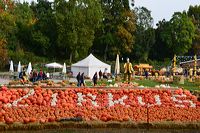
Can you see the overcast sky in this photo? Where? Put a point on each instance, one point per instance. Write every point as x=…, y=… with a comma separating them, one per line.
x=162, y=9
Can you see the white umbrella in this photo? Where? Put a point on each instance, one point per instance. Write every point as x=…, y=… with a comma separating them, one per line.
x=29, y=68
x=19, y=67
x=11, y=66
x=64, y=68
x=54, y=65
x=117, y=65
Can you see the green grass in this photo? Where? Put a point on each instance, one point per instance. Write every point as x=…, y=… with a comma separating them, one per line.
x=187, y=85
x=151, y=83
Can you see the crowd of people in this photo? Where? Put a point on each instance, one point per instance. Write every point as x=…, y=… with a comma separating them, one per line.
x=81, y=79
x=33, y=76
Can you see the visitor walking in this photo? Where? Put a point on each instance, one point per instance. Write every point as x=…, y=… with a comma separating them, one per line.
x=146, y=74
x=94, y=79
x=78, y=78
x=82, y=80
x=100, y=74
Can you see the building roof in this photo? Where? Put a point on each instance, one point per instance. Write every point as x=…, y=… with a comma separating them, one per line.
x=190, y=61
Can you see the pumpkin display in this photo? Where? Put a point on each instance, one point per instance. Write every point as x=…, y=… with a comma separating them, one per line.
x=91, y=104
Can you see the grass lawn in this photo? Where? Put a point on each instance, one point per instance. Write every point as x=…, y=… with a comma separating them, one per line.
x=151, y=83
x=187, y=85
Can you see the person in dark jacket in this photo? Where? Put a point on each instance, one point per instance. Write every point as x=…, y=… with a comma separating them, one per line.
x=20, y=75
x=94, y=79
x=78, y=77
x=146, y=74
x=82, y=80
x=35, y=74
x=40, y=74
x=100, y=74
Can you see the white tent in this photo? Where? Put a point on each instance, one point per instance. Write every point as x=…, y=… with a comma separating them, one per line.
x=89, y=66
x=54, y=65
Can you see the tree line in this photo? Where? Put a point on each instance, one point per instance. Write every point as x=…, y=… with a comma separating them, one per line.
x=68, y=30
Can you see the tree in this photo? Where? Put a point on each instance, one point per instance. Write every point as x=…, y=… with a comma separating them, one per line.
x=116, y=34
x=7, y=31
x=179, y=34
x=24, y=22
x=125, y=32
x=145, y=35
x=44, y=32
x=194, y=14
x=3, y=53
x=77, y=21
x=160, y=50
x=7, y=25
x=6, y=5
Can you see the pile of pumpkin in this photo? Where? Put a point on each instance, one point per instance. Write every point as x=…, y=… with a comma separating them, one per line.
x=90, y=104
x=42, y=83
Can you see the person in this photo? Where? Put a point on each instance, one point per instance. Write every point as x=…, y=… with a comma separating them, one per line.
x=146, y=74
x=100, y=74
x=82, y=79
x=21, y=75
x=44, y=76
x=94, y=79
x=31, y=76
x=105, y=76
x=40, y=74
x=185, y=72
x=106, y=71
x=78, y=77
x=128, y=70
x=24, y=78
x=35, y=75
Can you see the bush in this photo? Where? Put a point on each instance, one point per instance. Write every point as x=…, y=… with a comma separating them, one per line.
x=26, y=57
x=159, y=64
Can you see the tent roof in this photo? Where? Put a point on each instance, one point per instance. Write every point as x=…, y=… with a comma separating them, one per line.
x=90, y=61
x=54, y=65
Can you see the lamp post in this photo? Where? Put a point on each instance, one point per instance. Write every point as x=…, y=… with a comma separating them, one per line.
x=195, y=65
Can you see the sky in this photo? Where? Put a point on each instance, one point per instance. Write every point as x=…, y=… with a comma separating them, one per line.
x=162, y=9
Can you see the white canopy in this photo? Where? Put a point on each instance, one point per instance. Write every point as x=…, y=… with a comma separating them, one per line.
x=89, y=66
x=54, y=65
